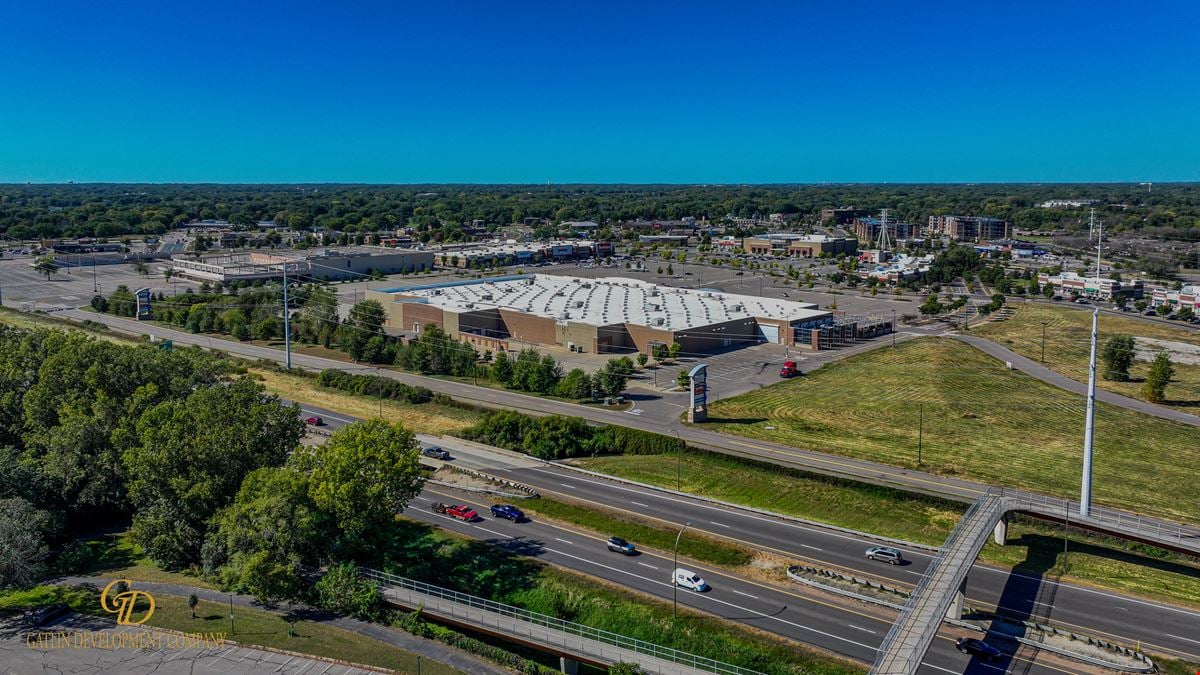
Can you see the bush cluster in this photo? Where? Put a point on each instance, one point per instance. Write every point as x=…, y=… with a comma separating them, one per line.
x=373, y=385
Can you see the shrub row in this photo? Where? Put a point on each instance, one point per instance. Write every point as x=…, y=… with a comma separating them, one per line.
x=374, y=385
x=560, y=437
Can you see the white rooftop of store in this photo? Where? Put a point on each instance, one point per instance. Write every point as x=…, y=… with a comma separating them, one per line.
x=608, y=301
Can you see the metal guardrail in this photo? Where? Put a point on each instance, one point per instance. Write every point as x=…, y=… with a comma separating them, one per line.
x=467, y=601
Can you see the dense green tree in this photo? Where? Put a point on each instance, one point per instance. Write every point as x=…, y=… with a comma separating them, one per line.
x=317, y=320
x=362, y=477
x=261, y=542
x=45, y=265
x=23, y=542
x=575, y=385
x=502, y=368
x=364, y=322
x=1118, y=356
x=1161, y=372
x=191, y=458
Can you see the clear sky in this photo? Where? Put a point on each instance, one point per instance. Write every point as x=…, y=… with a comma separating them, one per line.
x=603, y=91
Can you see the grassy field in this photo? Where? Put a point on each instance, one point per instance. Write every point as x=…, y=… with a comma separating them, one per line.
x=1032, y=545
x=975, y=419
x=427, y=418
x=252, y=627
x=114, y=555
x=1068, y=343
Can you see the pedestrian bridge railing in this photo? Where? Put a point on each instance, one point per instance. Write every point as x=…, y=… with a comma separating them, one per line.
x=584, y=642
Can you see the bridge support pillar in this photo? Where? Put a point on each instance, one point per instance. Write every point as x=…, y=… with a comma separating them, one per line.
x=568, y=666
x=1000, y=534
x=956, y=606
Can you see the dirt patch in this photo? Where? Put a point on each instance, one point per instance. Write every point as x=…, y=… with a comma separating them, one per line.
x=1145, y=349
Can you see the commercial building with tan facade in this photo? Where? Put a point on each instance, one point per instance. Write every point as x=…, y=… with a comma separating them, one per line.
x=605, y=315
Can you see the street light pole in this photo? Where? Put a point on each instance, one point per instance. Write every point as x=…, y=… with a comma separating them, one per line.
x=675, y=566
x=893, y=329
x=287, y=331
x=1043, y=342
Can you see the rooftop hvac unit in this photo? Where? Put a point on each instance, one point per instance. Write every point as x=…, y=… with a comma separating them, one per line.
x=654, y=293
x=659, y=321
x=486, y=296
x=469, y=305
x=737, y=308
x=587, y=285
x=578, y=303
x=564, y=316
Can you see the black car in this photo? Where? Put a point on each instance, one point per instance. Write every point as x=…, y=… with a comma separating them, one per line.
x=977, y=648
x=435, y=452
x=619, y=545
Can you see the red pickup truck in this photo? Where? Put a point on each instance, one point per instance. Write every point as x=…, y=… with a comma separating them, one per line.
x=788, y=369
x=460, y=511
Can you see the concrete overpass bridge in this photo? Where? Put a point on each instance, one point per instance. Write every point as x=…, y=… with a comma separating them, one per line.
x=939, y=595
x=572, y=642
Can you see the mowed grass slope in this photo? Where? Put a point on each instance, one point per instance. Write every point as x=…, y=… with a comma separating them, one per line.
x=1068, y=345
x=981, y=421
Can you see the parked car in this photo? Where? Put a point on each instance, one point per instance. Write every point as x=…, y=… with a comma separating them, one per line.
x=976, y=647
x=788, y=369
x=438, y=507
x=619, y=545
x=315, y=421
x=885, y=554
x=1056, y=298
x=1081, y=301
x=435, y=452
x=507, y=511
x=1149, y=312
x=690, y=580
x=738, y=274
x=462, y=512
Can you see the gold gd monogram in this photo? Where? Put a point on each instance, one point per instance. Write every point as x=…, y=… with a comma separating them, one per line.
x=122, y=604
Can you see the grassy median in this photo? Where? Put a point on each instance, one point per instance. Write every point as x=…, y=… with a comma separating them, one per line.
x=975, y=419
x=1068, y=343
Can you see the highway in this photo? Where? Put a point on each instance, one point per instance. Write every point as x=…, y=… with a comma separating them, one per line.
x=1158, y=627
x=851, y=631
x=1164, y=627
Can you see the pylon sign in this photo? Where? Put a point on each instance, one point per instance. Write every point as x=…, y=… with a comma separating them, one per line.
x=143, y=304
x=698, y=379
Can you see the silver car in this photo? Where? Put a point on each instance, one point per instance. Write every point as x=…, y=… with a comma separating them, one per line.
x=885, y=554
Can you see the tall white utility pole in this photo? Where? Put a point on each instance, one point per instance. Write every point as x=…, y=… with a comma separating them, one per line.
x=287, y=328
x=1085, y=490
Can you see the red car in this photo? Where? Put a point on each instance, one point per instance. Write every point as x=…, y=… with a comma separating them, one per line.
x=315, y=421
x=789, y=369
x=462, y=512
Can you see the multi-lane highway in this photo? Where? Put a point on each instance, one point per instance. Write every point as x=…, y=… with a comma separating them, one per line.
x=1157, y=627
x=850, y=631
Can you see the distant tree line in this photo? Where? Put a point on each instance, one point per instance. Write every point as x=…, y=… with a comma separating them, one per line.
x=440, y=212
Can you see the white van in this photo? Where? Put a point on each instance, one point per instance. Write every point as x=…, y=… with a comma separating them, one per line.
x=690, y=580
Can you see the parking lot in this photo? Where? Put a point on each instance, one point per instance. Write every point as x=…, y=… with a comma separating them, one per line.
x=23, y=288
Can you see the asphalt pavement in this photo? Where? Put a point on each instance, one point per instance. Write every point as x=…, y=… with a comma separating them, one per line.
x=1025, y=594
x=851, y=631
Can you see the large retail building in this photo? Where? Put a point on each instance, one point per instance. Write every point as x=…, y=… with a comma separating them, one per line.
x=607, y=315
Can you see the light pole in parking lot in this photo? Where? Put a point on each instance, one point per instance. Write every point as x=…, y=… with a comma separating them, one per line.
x=674, y=581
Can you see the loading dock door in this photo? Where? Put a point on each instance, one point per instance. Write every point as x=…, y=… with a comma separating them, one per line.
x=769, y=332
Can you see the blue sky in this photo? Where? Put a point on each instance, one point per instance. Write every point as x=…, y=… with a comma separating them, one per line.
x=724, y=92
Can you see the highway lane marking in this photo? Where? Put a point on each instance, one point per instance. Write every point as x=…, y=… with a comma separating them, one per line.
x=720, y=602
x=825, y=532
x=812, y=547
x=1180, y=637
x=644, y=506
x=716, y=523
x=564, y=541
x=745, y=594
x=646, y=565
x=865, y=630
x=498, y=534
x=568, y=486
